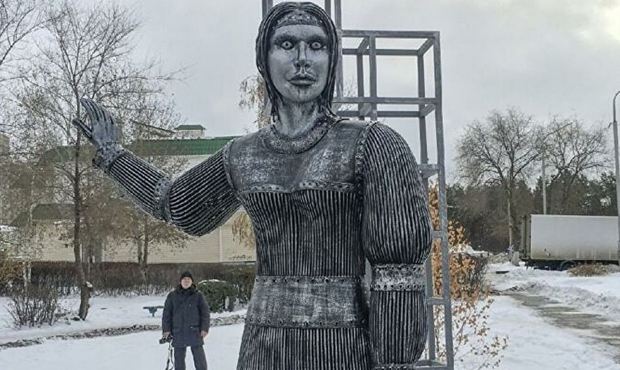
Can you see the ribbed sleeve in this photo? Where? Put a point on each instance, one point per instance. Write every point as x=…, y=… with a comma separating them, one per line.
x=197, y=202
x=397, y=238
x=202, y=198
x=140, y=180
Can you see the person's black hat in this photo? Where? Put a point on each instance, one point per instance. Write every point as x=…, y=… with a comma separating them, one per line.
x=186, y=274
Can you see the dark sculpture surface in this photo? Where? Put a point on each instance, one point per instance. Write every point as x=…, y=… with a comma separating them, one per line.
x=323, y=194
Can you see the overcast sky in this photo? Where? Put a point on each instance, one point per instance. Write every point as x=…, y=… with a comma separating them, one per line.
x=545, y=57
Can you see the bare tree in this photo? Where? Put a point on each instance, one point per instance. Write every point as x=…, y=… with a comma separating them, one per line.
x=84, y=52
x=573, y=151
x=500, y=150
x=254, y=97
x=18, y=20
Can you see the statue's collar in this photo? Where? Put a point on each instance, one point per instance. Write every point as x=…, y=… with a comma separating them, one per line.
x=281, y=143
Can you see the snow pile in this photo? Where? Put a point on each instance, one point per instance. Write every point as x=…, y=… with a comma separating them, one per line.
x=499, y=258
x=595, y=294
x=469, y=250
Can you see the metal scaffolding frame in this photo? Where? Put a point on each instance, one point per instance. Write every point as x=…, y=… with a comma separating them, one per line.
x=421, y=107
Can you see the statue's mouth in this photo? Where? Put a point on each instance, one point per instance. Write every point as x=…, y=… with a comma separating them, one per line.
x=302, y=80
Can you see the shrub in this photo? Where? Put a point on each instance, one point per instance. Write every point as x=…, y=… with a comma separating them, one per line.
x=125, y=278
x=33, y=306
x=243, y=279
x=590, y=269
x=9, y=271
x=221, y=295
x=471, y=299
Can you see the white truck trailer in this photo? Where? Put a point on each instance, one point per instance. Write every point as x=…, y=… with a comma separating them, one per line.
x=562, y=241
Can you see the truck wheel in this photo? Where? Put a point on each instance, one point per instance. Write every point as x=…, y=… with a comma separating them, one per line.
x=565, y=265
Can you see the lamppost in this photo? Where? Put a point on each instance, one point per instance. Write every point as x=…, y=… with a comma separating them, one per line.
x=615, y=124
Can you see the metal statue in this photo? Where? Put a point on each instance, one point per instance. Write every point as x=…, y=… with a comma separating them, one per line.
x=323, y=193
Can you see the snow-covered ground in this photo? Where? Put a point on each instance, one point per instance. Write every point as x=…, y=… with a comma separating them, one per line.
x=105, y=312
x=533, y=341
x=139, y=351
x=596, y=294
x=537, y=345
x=534, y=344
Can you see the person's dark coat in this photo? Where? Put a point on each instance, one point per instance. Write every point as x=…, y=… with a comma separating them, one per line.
x=186, y=313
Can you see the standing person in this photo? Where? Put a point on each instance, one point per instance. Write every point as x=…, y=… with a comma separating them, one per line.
x=186, y=316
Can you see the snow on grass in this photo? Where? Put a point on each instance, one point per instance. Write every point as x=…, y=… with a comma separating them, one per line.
x=139, y=351
x=595, y=294
x=105, y=312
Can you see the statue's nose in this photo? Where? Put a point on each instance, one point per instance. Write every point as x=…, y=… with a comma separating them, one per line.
x=302, y=56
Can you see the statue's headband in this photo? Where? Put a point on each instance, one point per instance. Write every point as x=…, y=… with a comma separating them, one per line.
x=298, y=17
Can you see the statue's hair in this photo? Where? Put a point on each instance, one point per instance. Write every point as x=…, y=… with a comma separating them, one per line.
x=265, y=31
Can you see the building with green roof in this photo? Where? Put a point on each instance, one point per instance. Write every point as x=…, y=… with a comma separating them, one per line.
x=218, y=246
x=160, y=147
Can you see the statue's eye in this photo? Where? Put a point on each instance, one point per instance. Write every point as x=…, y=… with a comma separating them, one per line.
x=316, y=45
x=286, y=45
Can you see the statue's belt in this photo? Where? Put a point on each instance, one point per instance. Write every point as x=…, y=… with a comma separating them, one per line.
x=324, y=301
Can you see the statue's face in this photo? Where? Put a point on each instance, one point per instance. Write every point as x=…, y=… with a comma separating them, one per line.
x=298, y=62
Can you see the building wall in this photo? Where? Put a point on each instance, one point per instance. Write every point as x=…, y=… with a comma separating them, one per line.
x=4, y=144
x=190, y=161
x=217, y=246
x=189, y=134
x=46, y=244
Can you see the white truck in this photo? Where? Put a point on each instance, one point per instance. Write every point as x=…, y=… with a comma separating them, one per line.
x=562, y=241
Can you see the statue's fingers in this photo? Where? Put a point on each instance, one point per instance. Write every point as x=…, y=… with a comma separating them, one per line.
x=89, y=106
x=112, y=128
x=106, y=115
x=117, y=130
x=97, y=110
x=103, y=116
x=85, y=129
x=109, y=123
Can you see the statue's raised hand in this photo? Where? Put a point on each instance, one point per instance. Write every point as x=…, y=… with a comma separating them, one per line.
x=103, y=133
x=102, y=129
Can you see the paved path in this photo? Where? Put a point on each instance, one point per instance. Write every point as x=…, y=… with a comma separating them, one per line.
x=589, y=325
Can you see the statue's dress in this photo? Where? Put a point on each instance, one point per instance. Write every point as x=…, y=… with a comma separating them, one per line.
x=320, y=205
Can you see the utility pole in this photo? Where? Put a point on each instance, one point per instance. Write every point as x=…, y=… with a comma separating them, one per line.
x=617, y=159
x=544, y=185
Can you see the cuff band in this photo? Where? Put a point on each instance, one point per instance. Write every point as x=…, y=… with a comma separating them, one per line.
x=403, y=277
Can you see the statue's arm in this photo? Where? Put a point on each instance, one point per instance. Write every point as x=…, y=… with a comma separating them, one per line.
x=397, y=239
x=196, y=202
